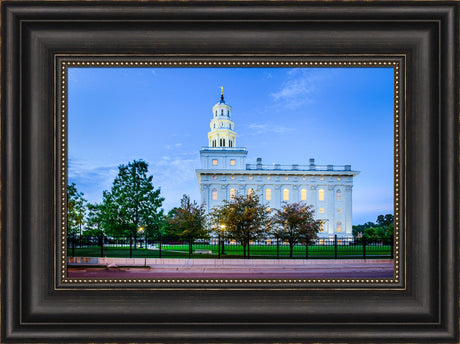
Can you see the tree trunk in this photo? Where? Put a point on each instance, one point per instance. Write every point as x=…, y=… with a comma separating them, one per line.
x=291, y=249
x=190, y=247
x=244, y=251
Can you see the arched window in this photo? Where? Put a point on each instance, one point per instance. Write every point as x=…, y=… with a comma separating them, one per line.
x=224, y=143
x=268, y=194
x=286, y=195
x=230, y=143
x=222, y=112
x=338, y=195
x=232, y=193
x=214, y=194
x=250, y=192
x=321, y=194
x=303, y=194
x=339, y=226
x=215, y=114
x=228, y=112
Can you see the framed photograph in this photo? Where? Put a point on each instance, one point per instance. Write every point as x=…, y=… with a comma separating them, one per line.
x=230, y=172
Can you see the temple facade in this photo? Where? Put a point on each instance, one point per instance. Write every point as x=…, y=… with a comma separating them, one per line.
x=225, y=173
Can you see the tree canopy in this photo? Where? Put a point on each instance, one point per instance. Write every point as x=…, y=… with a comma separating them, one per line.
x=295, y=223
x=76, y=209
x=244, y=218
x=132, y=202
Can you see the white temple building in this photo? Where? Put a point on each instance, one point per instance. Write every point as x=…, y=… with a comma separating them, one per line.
x=224, y=173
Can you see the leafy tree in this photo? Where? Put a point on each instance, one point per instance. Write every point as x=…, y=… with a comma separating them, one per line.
x=385, y=220
x=295, y=223
x=244, y=217
x=76, y=210
x=132, y=202
x=188, y=221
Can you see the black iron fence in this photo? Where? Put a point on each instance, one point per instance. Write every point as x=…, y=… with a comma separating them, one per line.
x=327, y=248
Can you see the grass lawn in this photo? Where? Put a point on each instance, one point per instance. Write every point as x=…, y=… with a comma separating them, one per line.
x=236, y=251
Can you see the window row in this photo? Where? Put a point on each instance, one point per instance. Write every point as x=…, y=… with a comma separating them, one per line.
x=268, y=193
x=214, y=163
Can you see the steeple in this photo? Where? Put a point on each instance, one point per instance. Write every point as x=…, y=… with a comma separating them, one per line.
x=222, y=134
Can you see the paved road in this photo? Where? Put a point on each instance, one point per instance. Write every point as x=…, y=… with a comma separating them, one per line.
x=380, y=271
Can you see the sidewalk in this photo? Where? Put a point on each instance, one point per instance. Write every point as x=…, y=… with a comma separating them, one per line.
x=229, y=268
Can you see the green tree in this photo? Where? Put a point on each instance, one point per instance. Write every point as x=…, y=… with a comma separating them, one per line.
x=244, y=217
x=76, y=210
x=295, y=223
x=385, y=220
x=188, y=221
x=132, y=203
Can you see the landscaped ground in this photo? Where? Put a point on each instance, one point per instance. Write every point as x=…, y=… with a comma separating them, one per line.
x=236, y=251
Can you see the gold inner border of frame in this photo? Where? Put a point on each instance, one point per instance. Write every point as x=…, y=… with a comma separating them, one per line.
x=366, y=61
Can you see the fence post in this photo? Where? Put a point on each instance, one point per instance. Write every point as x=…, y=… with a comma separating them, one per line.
x=364, y=246
x=160, y=245
x=101, y=240
x=335, y=246
x=130, y=246
x=306, y=250
x=277, y=248
x=392, y=246
x=73, y=245
x=218, y=247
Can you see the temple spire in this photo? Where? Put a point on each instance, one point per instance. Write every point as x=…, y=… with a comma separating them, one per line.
x=222, y=132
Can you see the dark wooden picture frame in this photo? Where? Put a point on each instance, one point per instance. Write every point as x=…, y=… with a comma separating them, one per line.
x=421, y=307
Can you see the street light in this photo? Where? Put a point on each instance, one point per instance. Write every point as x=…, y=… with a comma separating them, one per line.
x=222, y=227
x=141, y=230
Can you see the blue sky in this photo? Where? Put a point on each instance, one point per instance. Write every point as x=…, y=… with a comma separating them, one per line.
x=161, y=115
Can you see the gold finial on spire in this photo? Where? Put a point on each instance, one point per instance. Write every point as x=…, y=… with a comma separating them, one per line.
x=221, y=90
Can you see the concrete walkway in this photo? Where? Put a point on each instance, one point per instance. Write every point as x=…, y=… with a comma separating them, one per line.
x=229, y=268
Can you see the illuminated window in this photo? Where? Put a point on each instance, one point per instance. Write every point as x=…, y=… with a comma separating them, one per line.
x=214, y=177
x=339, y=241
x=268, y=194
x=233, y=177
x=321, y=194
x=338, y=178
x=214, y=162
x=303, y=194
x=232, y=161
x=303, y=178
x=214, y=194
x=338, y=195
x=250, y=177
x=321, y=241
x=232, y=193
x=321, y=210
x=339, y=210
x=321, y=178
x=321, y=226
x=339, y=226
x=286, y=178
x=286, y=195
x=268, y=177
x=250, y=192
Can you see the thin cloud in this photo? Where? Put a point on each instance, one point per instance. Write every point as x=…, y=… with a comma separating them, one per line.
x=265, y=128
x=299, y=88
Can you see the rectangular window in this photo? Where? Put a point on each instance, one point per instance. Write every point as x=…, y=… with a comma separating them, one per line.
x=268, y=194
x=286, y=195
x=303, y=195
x=321, y=195
x=232, y=162
x=214, y=162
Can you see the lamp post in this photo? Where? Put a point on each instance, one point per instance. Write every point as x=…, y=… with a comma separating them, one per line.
x=222, y=227
x=141, y=231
